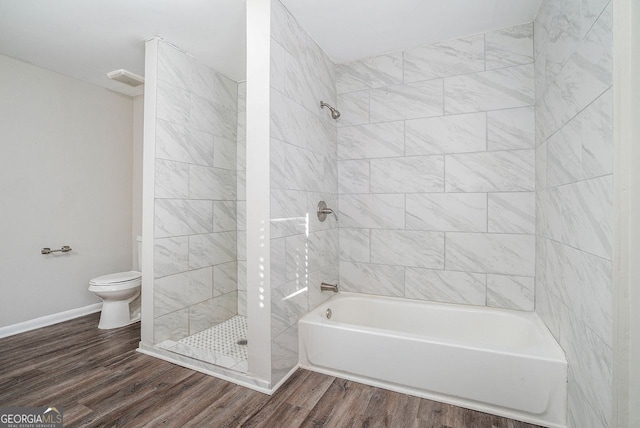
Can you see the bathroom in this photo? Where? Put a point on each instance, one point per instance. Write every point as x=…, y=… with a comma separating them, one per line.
x=474, y=168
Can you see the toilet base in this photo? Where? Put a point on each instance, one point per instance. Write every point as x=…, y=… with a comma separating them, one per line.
x=116, y=314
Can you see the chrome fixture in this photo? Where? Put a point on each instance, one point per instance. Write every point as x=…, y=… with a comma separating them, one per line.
x=328, y=313
x=334, y=113
x=64, y=249
x=329, y=287
x=323, y=211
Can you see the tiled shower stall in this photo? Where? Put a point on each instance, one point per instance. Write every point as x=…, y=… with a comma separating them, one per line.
x=474, y=171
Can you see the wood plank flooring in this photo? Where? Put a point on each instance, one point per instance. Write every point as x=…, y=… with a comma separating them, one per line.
x=99, y=380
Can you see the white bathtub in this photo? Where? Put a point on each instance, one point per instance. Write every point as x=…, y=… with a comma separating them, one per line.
x=492, y=360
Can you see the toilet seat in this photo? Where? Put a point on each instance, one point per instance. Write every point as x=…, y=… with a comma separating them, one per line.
x=116, y=281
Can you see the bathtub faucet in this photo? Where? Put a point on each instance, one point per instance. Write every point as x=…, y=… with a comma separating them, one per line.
x=329, y=287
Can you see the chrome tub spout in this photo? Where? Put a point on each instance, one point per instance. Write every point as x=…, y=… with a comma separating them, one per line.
x=329, y=287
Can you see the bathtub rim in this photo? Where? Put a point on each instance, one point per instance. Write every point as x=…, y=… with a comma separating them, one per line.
x=316, y=318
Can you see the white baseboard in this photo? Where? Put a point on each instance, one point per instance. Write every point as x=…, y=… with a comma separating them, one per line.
x=47, y=320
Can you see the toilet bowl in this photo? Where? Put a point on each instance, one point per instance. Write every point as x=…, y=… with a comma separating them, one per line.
x=117, y=291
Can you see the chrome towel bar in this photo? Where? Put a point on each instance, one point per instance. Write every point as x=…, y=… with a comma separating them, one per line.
x=64, y=249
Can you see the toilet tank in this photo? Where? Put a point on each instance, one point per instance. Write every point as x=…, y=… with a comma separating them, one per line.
x=139, y=267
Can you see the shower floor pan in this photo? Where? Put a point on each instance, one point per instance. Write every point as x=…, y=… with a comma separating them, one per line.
x=220, y=345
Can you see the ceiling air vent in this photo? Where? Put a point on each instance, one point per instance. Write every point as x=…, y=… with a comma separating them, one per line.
x=126, y=77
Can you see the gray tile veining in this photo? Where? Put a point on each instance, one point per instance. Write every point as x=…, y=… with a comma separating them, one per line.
x=225, y=278
x=407, y=174
x=182, y=290
x=502, y=171
x=173, y=104
x=408, y=248
x=354, y=108
x=212, y=249
x=174, y=217
x=353, y=176
x=225, y=216
x=386, y=280
x=489, y=90
x=573, y=77
x=183, y=144
x=454, y=57
x=511, y=292
x=372, y=211
x=491, y=253
x=512, y=212
x=463, y=212
x=510, y=46
x=409, y=101
x=375, y=72
x=449, y=150
x=355, y=245
x=511, y=129
x=446, y=134
x=303, y=161
x=200, y=128
x=171, y=179
x=371, y=141
x=170, y=256
x=445, y=286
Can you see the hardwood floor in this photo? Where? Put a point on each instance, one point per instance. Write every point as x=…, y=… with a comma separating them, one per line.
x=99, y=380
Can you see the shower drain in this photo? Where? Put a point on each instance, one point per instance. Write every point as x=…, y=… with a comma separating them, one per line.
x=242, y=342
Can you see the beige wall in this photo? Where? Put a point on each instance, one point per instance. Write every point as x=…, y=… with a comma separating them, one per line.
x=65, y=179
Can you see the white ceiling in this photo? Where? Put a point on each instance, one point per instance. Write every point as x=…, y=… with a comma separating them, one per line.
x=86, y=39
x=354, y=29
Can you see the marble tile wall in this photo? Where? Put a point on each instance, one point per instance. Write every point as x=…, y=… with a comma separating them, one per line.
x=436, y=171
x=303, y=152
x=241, y=208
x=574, y=196
x=196, y=196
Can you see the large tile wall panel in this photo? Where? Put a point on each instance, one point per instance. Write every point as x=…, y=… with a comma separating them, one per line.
x=489, y=90
x=574, y=191
x=491, y=253
x=450, y=212
x=504, y=171
x=375, y=72
x=378, y=140
x=508, y=47
x=304, y=170
x=459, y=133
x=196, y=209
x=410, y=101
x=407, y=174
x=451, y=58
x=445, y=286
x=436, y=171
x=241, y=207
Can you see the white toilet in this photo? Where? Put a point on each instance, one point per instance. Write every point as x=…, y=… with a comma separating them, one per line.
x=118, y=291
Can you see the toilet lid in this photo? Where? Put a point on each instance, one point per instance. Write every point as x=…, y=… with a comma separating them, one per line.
x=116, y=278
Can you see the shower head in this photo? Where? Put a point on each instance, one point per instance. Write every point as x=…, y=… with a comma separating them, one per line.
x=334, y=113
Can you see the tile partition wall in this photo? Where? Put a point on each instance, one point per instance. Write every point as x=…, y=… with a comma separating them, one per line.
x=304, y=251
x=241, y=193
x=436, y=171
x=574, y=195
x=195, y=268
